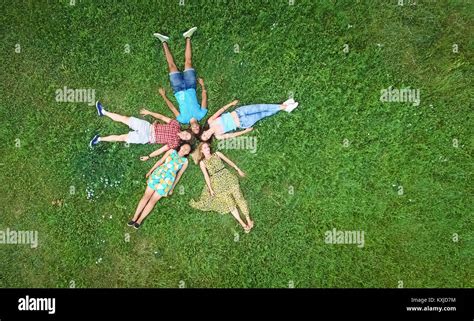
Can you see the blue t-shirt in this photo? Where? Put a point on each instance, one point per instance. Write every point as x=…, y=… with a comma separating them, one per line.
x=189, y=106
x=227, y=122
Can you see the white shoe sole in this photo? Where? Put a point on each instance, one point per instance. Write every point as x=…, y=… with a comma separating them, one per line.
x=163, y=38
x=190, y=32
x=289, y=101
x=290, y=108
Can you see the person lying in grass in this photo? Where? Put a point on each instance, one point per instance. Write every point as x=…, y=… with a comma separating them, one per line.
x=194, y=125
x=162, y=179
x=184, y=85
x=169, y=134
x=221, y=123
x=222, y=193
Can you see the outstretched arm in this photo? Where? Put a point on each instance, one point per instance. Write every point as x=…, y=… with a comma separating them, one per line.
x=206, y=177
x=234, y=134
x=158, y=163
x=178, y=177
x=157, y=152
x=223, y=109
x=159, y=116
x=231, y=163
x=203, y=93
x=168, y=102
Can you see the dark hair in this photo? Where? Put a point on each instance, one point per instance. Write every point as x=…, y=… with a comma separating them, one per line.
x=192, y=139
x=203, y=129
x=190, y=147
x=190, y=128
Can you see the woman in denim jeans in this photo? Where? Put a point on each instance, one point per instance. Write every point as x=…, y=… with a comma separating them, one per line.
x=221, y=123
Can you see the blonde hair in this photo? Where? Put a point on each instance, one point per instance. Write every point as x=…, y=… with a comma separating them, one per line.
x=197, y=154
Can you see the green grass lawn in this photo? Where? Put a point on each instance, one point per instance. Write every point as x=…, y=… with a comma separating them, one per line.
x=400, y=173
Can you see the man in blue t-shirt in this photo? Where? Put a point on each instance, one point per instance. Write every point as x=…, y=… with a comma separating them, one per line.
x=184, y=86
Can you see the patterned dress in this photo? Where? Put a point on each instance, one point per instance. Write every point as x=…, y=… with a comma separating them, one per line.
x=163, y=177
x=226, y=188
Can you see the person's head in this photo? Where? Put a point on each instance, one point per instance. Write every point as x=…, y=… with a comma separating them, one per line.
x=184, y=150
x=194, y=126
x=206, y=133
x=206, y=149
x=203, y=150
x=185, y=135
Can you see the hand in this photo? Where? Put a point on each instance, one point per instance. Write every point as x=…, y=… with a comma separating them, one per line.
x=212, y=192
x=235, y=102
x=147, y=174
x=144, y=112
x=201, y=82
x=144, y=158
x=242, y=174
x=162, y=91
x=170, y=192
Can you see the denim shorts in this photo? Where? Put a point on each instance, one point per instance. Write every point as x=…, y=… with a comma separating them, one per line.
x=183, y=80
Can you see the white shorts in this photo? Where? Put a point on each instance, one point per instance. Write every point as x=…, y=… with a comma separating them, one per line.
x=141, y=131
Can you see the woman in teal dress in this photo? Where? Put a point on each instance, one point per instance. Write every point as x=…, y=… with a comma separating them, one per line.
x=162, y=178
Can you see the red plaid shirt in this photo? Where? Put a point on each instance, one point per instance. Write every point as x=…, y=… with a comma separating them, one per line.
x=166, y=134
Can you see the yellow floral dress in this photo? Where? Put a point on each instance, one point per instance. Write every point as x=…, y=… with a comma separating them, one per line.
x=226, y=189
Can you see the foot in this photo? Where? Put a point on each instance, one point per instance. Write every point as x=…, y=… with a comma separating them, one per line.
x=190, y=32
x=136, y=225
x=250, y=223
x=94, y=141
x=162, y=38
x=100, y=109
x=247, y=229
x=131, y=223
x=289, y=101
x=290, y=107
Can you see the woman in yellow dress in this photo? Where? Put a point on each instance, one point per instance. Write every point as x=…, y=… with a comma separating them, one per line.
x=222, y=193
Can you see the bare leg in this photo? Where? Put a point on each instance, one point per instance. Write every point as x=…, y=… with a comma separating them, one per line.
x=242, y=204
x=169, y=58
x=117, y=117
x=149, y=207
x=141, y=205
x=235, y=214
x=114, y=138
x=188, y=55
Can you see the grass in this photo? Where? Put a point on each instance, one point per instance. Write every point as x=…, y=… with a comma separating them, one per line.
x=283, y=49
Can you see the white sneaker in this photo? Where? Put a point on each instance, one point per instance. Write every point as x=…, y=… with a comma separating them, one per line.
x=163, y=38
x=189, y=33
x=290, y=108
x=289, y=102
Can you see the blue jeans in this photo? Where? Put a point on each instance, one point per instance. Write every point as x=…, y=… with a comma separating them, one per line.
x=250, y=114
x=183, y=80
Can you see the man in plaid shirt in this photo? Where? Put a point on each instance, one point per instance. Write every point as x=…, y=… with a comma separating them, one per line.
x=169, y=134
